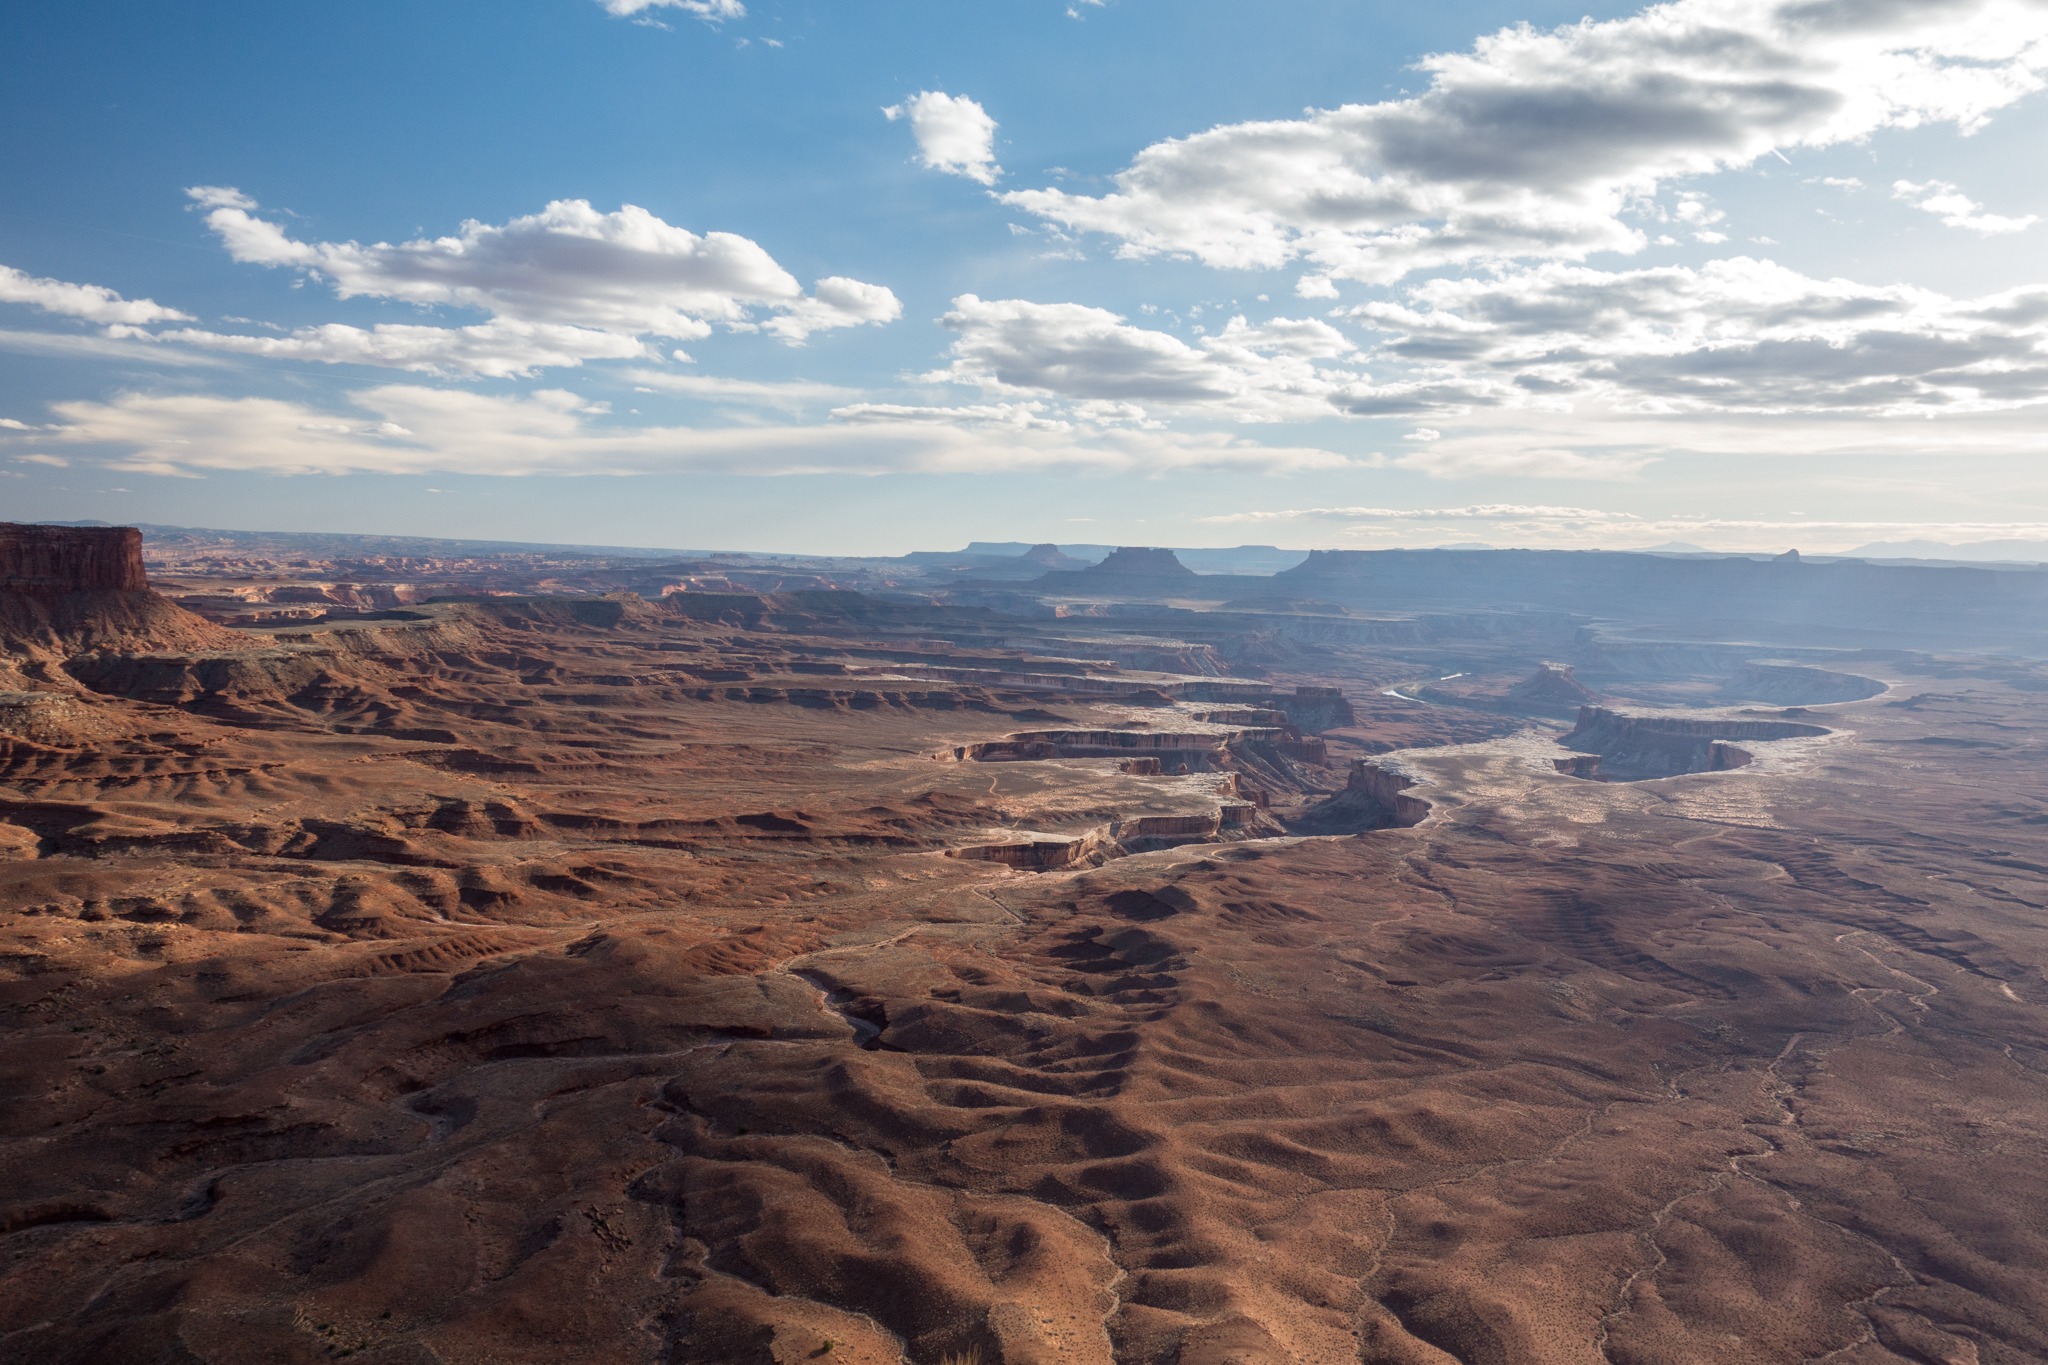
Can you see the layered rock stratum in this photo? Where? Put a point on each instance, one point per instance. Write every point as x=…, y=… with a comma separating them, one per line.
x=47, y=559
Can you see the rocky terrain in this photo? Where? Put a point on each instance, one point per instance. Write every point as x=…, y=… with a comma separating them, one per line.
x=1003, y=973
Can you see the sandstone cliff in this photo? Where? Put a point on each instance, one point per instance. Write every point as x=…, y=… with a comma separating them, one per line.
x=66, y=590
x=1374, y=797
x=1633, y=747
x=47, y=559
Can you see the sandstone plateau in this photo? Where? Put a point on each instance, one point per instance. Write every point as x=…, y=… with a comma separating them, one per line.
x=472, y=957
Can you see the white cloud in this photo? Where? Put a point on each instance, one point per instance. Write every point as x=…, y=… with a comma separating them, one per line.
x=835, y=301
x=1070, y=351
x=1737, y=335
x=710, y=11
x=408, y=429
x=1733, y=336
x=572, y=266
x=75, y=346
x=52, y=461
x=954, y=134
x=1492, y=511
x=1017, y=416
x=1511, y=461
x=767, y=393
x=1540, y=525
x=92, y=302
x=1536, y=143
x=1956, y=209
x=219, y=197
x=492, y=350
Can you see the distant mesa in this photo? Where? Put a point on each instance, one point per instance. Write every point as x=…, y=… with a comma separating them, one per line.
x=1551, y=688
x=1981, y=551
x=1775, y=599
x=1621, y=746
x=54, y=559
x=1130, y=561
x=1789, y=557
x=1053, y=557
x=1798, y=685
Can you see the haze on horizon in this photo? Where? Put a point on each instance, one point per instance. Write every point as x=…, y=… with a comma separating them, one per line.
x=868, y=278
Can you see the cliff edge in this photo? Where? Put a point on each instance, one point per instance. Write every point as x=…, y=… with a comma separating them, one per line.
x=52, y=559
x=67, y=590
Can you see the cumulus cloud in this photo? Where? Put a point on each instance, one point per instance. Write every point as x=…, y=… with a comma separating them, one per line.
x=954, y=134
x=835, y=301
x=1269, y=372
x=1536, y=143
x=1733, y=336
x=570, y=266
x=92, y=302
x=410, y=429
x=1736, y=335
x=1956, y=209
x=710, y=11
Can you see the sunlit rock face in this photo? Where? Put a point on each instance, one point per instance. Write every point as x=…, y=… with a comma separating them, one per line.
x=71, y=559
x=69, y=590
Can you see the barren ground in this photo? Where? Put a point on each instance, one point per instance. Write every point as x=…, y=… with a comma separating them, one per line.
x=543, y=983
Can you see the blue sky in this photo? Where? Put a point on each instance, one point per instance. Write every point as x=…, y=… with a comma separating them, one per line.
x=1744, y=275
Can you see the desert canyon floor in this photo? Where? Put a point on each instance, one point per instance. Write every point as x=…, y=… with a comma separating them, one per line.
x=737, y=976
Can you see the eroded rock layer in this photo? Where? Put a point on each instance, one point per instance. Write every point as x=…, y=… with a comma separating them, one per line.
x=71, y=559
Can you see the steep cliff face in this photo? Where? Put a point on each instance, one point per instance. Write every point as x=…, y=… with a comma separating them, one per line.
x=1043, y=855
x=1374, y=797
x=1317, y=708
x=46, y=559
x=1636, y=747
x=68, y=589
x=1202, y=747
x=1796, y=685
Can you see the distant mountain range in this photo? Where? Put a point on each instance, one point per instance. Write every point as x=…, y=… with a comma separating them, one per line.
x=1235, y=559
x=1977, y=552
x=1254, y=560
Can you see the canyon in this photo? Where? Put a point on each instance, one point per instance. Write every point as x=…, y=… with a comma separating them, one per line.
x=419, y=954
